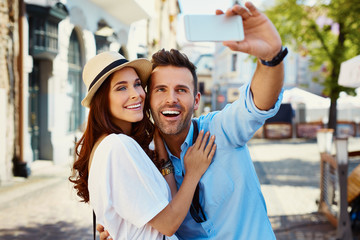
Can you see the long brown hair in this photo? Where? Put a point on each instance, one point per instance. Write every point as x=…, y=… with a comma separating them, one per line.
x=99, y=123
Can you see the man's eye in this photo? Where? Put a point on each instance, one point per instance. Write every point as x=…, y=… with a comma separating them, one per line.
x=182, y=90
x=160, y=90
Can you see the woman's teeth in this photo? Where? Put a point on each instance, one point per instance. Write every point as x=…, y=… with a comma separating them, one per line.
x=134, y=106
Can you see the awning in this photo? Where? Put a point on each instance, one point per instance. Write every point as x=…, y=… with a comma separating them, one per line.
x=350, y=73
x=127, y=11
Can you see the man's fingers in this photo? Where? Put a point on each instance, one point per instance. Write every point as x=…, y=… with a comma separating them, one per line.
x=219, y=12
x=253, y=10
x=243, y=12
x=229, y=12
x=235, y=46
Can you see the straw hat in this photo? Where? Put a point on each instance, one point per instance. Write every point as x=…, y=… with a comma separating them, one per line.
x=98, y=68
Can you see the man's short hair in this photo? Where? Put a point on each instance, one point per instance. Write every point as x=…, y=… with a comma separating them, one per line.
x=176, y=59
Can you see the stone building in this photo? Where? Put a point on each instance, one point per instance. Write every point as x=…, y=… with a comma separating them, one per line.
x=10, y=69
x=44, y=45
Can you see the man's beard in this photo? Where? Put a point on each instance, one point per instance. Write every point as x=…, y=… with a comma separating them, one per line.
x=172, y=129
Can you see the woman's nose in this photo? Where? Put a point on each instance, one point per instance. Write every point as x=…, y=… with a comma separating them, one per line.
x=134, y=93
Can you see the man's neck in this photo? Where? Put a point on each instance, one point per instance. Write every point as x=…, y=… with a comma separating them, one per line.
x=174, y=142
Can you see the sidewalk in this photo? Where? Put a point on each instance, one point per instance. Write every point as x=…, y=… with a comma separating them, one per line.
x=44, y=206
x=44, y=174
x=289, y=174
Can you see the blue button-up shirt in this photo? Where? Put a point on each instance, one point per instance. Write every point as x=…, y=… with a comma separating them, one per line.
x=230, y=191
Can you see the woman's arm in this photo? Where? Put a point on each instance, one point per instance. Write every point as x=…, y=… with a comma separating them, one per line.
x=197, y=159
x=170, y=179
x=162, y=154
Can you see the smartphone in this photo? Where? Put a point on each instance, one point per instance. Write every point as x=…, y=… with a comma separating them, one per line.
x=213, y=28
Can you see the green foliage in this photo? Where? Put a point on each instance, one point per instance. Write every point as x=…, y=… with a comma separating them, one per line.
x=300, y=27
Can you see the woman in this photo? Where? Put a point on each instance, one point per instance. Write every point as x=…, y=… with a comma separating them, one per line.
x=113, y=171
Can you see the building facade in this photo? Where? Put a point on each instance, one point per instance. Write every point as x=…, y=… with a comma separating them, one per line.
x=9, y=86
x=43, y=55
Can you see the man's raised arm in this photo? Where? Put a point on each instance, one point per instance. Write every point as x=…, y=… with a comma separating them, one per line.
x=263, y=41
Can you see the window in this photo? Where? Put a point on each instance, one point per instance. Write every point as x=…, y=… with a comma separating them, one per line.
x=233, y=62
x=43, y=29
x=75, y=85
x=202, y=88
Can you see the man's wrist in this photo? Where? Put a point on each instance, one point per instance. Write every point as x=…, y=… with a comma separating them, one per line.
x=277, y=59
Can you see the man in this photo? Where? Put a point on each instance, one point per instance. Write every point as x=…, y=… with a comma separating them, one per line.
x=231, y=205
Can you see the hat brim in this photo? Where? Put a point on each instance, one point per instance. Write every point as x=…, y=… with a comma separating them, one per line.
x=143, y=68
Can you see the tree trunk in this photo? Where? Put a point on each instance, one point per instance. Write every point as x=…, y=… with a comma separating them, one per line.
x=332, y=115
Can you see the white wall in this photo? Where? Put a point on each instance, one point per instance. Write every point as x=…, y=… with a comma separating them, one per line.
x=27, y=68
x=3, y=107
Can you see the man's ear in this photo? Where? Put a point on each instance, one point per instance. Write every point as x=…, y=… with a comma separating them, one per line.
x=197, y=101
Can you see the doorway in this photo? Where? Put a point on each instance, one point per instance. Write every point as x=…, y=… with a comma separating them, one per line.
x=40, y=137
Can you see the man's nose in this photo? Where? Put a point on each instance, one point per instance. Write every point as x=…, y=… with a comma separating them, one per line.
x=171, y=97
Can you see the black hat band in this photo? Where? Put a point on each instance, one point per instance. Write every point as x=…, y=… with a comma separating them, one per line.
x=107, y=69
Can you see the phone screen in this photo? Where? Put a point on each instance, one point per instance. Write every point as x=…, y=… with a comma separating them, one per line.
x=213, y=28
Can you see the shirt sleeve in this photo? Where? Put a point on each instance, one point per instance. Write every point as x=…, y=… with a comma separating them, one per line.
x=238, y=122
x=137, y=191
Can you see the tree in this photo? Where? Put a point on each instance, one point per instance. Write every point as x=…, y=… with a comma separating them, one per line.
x=328, y=31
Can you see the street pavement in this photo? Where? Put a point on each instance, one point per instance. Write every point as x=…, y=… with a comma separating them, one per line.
x=289, y=174
x=45, y=207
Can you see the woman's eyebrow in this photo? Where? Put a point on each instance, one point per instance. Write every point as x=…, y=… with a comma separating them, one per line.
x=125, y=82
x=119, y=83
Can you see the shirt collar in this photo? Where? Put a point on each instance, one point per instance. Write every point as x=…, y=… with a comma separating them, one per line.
x=184, y=146
x=189, y=138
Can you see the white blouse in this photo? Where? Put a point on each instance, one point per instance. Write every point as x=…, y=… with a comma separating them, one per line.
x=126, y=189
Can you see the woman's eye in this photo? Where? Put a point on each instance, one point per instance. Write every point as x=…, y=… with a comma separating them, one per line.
x=137, y=84
x=121, y=89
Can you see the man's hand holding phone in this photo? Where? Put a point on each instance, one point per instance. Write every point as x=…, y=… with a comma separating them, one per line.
x=262, y=40
x=256, y=35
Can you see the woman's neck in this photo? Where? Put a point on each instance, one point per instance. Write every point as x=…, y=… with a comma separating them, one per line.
x=125, y=126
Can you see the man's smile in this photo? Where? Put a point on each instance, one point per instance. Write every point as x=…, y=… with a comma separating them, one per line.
x=170, y=113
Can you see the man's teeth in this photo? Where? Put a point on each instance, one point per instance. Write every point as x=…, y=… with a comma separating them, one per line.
x=170, y=112
x=134, y=106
